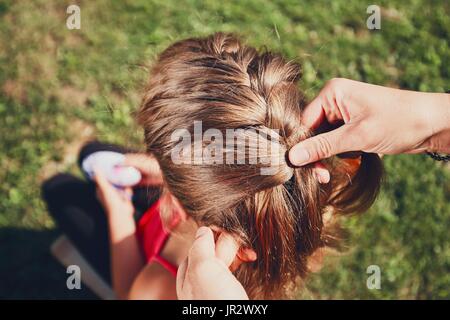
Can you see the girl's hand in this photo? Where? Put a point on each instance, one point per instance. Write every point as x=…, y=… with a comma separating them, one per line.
x=148, y=166
x=113, y=200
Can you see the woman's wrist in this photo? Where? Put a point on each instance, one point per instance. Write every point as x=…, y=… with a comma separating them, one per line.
x=439, y=110
x=425, y=116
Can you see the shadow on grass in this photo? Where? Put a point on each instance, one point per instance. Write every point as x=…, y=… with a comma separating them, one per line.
x=29, y=271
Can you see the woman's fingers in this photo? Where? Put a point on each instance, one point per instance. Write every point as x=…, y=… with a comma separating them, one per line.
x=203, y=275
x=320, y=114
x=321, y=172
x=181, y=277
x=226, y=248
x=325, y=145
x=201, y=250
x=203, y=246
x=313, y=115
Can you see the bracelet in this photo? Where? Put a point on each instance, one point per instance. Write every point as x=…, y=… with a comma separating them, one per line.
x=439, y=157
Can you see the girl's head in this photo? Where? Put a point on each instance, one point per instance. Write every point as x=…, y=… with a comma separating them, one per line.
x=279, y=213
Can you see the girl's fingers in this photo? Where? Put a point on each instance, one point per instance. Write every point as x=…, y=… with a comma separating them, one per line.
x=142, y=162
x=103, y=184
x=99, y=178
x=134, y=160
x=108, y=191
x=127, y=193
x=156, y=180
x=147, y=165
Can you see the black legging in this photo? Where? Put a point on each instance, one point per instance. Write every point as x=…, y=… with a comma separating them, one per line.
x=72, y=202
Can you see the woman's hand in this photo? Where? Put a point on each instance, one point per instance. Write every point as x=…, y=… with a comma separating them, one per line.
x=205, y=274
x=113, y=200
x=374, y=119
x=147, y=165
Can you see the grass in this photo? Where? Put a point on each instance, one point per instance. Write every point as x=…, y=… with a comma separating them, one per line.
x=60, y=87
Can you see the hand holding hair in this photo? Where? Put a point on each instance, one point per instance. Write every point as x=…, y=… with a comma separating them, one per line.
x=205, y=274
x=374, y=119
x=278, y=219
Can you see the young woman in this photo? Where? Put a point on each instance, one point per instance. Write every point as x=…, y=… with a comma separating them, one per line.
x=282, y=220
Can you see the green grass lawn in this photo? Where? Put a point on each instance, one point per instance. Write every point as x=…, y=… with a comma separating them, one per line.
x=59, y=87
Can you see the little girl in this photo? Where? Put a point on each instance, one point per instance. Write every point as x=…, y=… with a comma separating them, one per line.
x=282, y=220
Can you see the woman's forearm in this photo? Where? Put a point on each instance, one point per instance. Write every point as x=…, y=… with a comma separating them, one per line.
x=374, y=119
x=439, y=141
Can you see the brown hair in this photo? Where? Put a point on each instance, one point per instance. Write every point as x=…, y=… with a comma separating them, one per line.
x=228, y=85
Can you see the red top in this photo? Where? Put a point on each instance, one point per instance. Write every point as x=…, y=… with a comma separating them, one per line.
x=152, y=236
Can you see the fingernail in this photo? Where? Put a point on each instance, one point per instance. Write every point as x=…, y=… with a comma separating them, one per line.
x=201, y=232
x=323, y=176
x=300, y=156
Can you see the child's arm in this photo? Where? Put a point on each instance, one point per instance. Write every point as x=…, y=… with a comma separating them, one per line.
x=126, y=257
x=153, y=283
